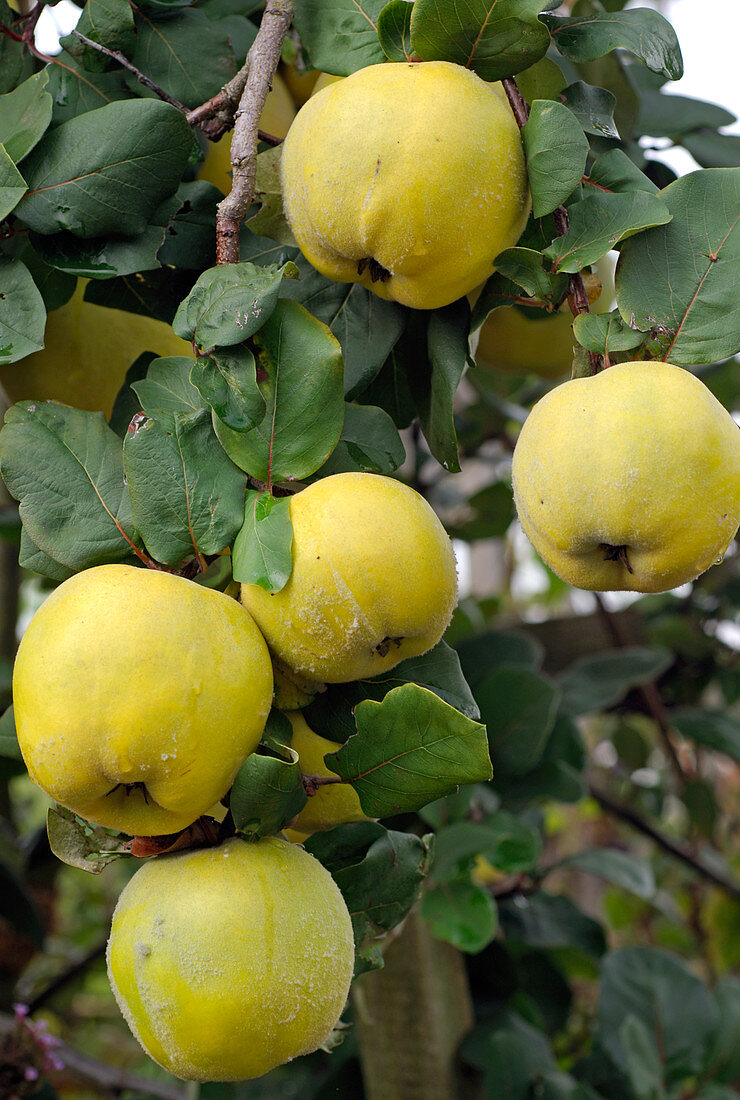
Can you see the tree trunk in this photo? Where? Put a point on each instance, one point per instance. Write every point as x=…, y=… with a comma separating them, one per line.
x=410, y=1018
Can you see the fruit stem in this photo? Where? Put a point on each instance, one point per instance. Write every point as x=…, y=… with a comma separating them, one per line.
x=577, y=297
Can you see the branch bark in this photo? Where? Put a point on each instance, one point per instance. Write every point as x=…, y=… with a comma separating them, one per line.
x=675, y=848
x=261, y=64
x=116, y=55
x=577, y=297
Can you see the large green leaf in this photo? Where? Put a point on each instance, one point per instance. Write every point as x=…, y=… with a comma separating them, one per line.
x=645, y=33
x=227, y=381
x=681, y=278
x=342, y=36
x=75, y=90
x=22, y=312
x=267, y=793
x=435, y=381
x=556, y=149
x=624, y=869
x=369, y=442
x=509, y=845
x=724, y=1047
x=65, y=467
x=601, y=220
x=675, y=1006
x=262, y=551
x=410, y=749
x=643, y=1064
x=460, y=913
x=301, y=364
x=711, y=728
x=495, y=40
x=551, y=921
x=25, y=114
x=109, y=22
x=187, y=497
x=106, y=171
x=518, y=707
x=191, y=55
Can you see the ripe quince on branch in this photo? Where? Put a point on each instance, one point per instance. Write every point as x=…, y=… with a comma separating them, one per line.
x=407, y=178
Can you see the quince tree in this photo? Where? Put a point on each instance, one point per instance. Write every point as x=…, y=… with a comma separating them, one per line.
x=266, y=364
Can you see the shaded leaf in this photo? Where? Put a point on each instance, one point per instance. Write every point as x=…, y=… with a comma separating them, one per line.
x=461, y=913
x=518, y=707
x=106, y=171
x=556, y=149
x=25, y=114
x=22, y=312
x=17, y=907
x=509, y=845
x=266, y=794
x=227, y=381
x=645, y=33
x=547, y=921
x=593, y=107
x=643, y=1064
x=169, y=47
x=342, y=37
x=434, y=382
x=624, y=869
x=711, y=728
x=75, y=90
x=369, y=442
x=602, y=679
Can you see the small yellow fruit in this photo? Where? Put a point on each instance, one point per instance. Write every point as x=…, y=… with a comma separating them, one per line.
x=137, y=696
x=229, y=961
x=373, y=580
x=299, y=82
x=88, y=350
x=276, y=119
x=407, y=178
x=630, y=479
x=333, y=803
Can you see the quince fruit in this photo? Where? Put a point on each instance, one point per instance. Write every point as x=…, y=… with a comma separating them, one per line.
x=629, y=479
x=407, y=178
x=137, y=696
x=229, y=961
x=373, y=580
x=333, y=803
x=276, y=119
x=88, y=350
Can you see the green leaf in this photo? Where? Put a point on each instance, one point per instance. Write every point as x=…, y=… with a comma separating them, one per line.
x=36, y=561
x=109, y=22
x=593, y=107
x=187, y=497
x=167, y=392
x=543, y=80
x=645, y=33
x=191, y=235
x=301, y=364
x=270, y=221
x=380, y=873
x=65, y=467
x=266, y=794
x=191, y=55
x=394, y=30
x=369, y=441
x=642, y=1062
x=228, y=304
x=556, y=149
x=461, y=913
x=17, y=907
x=495, y=41
x=682, y=276
x=227, y=381
x=22, y=312
x=724, y=1048
x=550, y=921
x=341, y=37
x=600, y=221
x=557, y=775
x=524, y=266
x=56, y=287
x=711, y=728
x=75, y=90
x=606, y=333
x=512, y=1064
x=624, y=869
x=616, y=172
x=9, y=747
x=603, y=679
x=482, y=653
x=79, y=844
x=410, y=749
x=106, y=171
x=262, y=551
x=712, y=150
x=668, y=999
x=518, y=707
x=673, y=115
x=365, y=325
x=438, y=670
x=97, y=257
x=25, y=114
x=434, y=382
x=506, y=843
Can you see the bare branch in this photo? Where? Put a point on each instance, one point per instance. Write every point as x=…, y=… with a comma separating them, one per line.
x=116, y=55
x=262, y=61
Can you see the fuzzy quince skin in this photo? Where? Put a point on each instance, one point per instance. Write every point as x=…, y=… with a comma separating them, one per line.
x=333, y=803
x=630, y=479
x=88, y=350
x=407, y=178
x=373, y=580
x=137, y=696
x=229, y=961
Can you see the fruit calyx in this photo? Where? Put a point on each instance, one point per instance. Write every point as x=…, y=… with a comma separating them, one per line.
x=383, y=648
x=378, y=273
x=129, y=788
x=616, y=553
